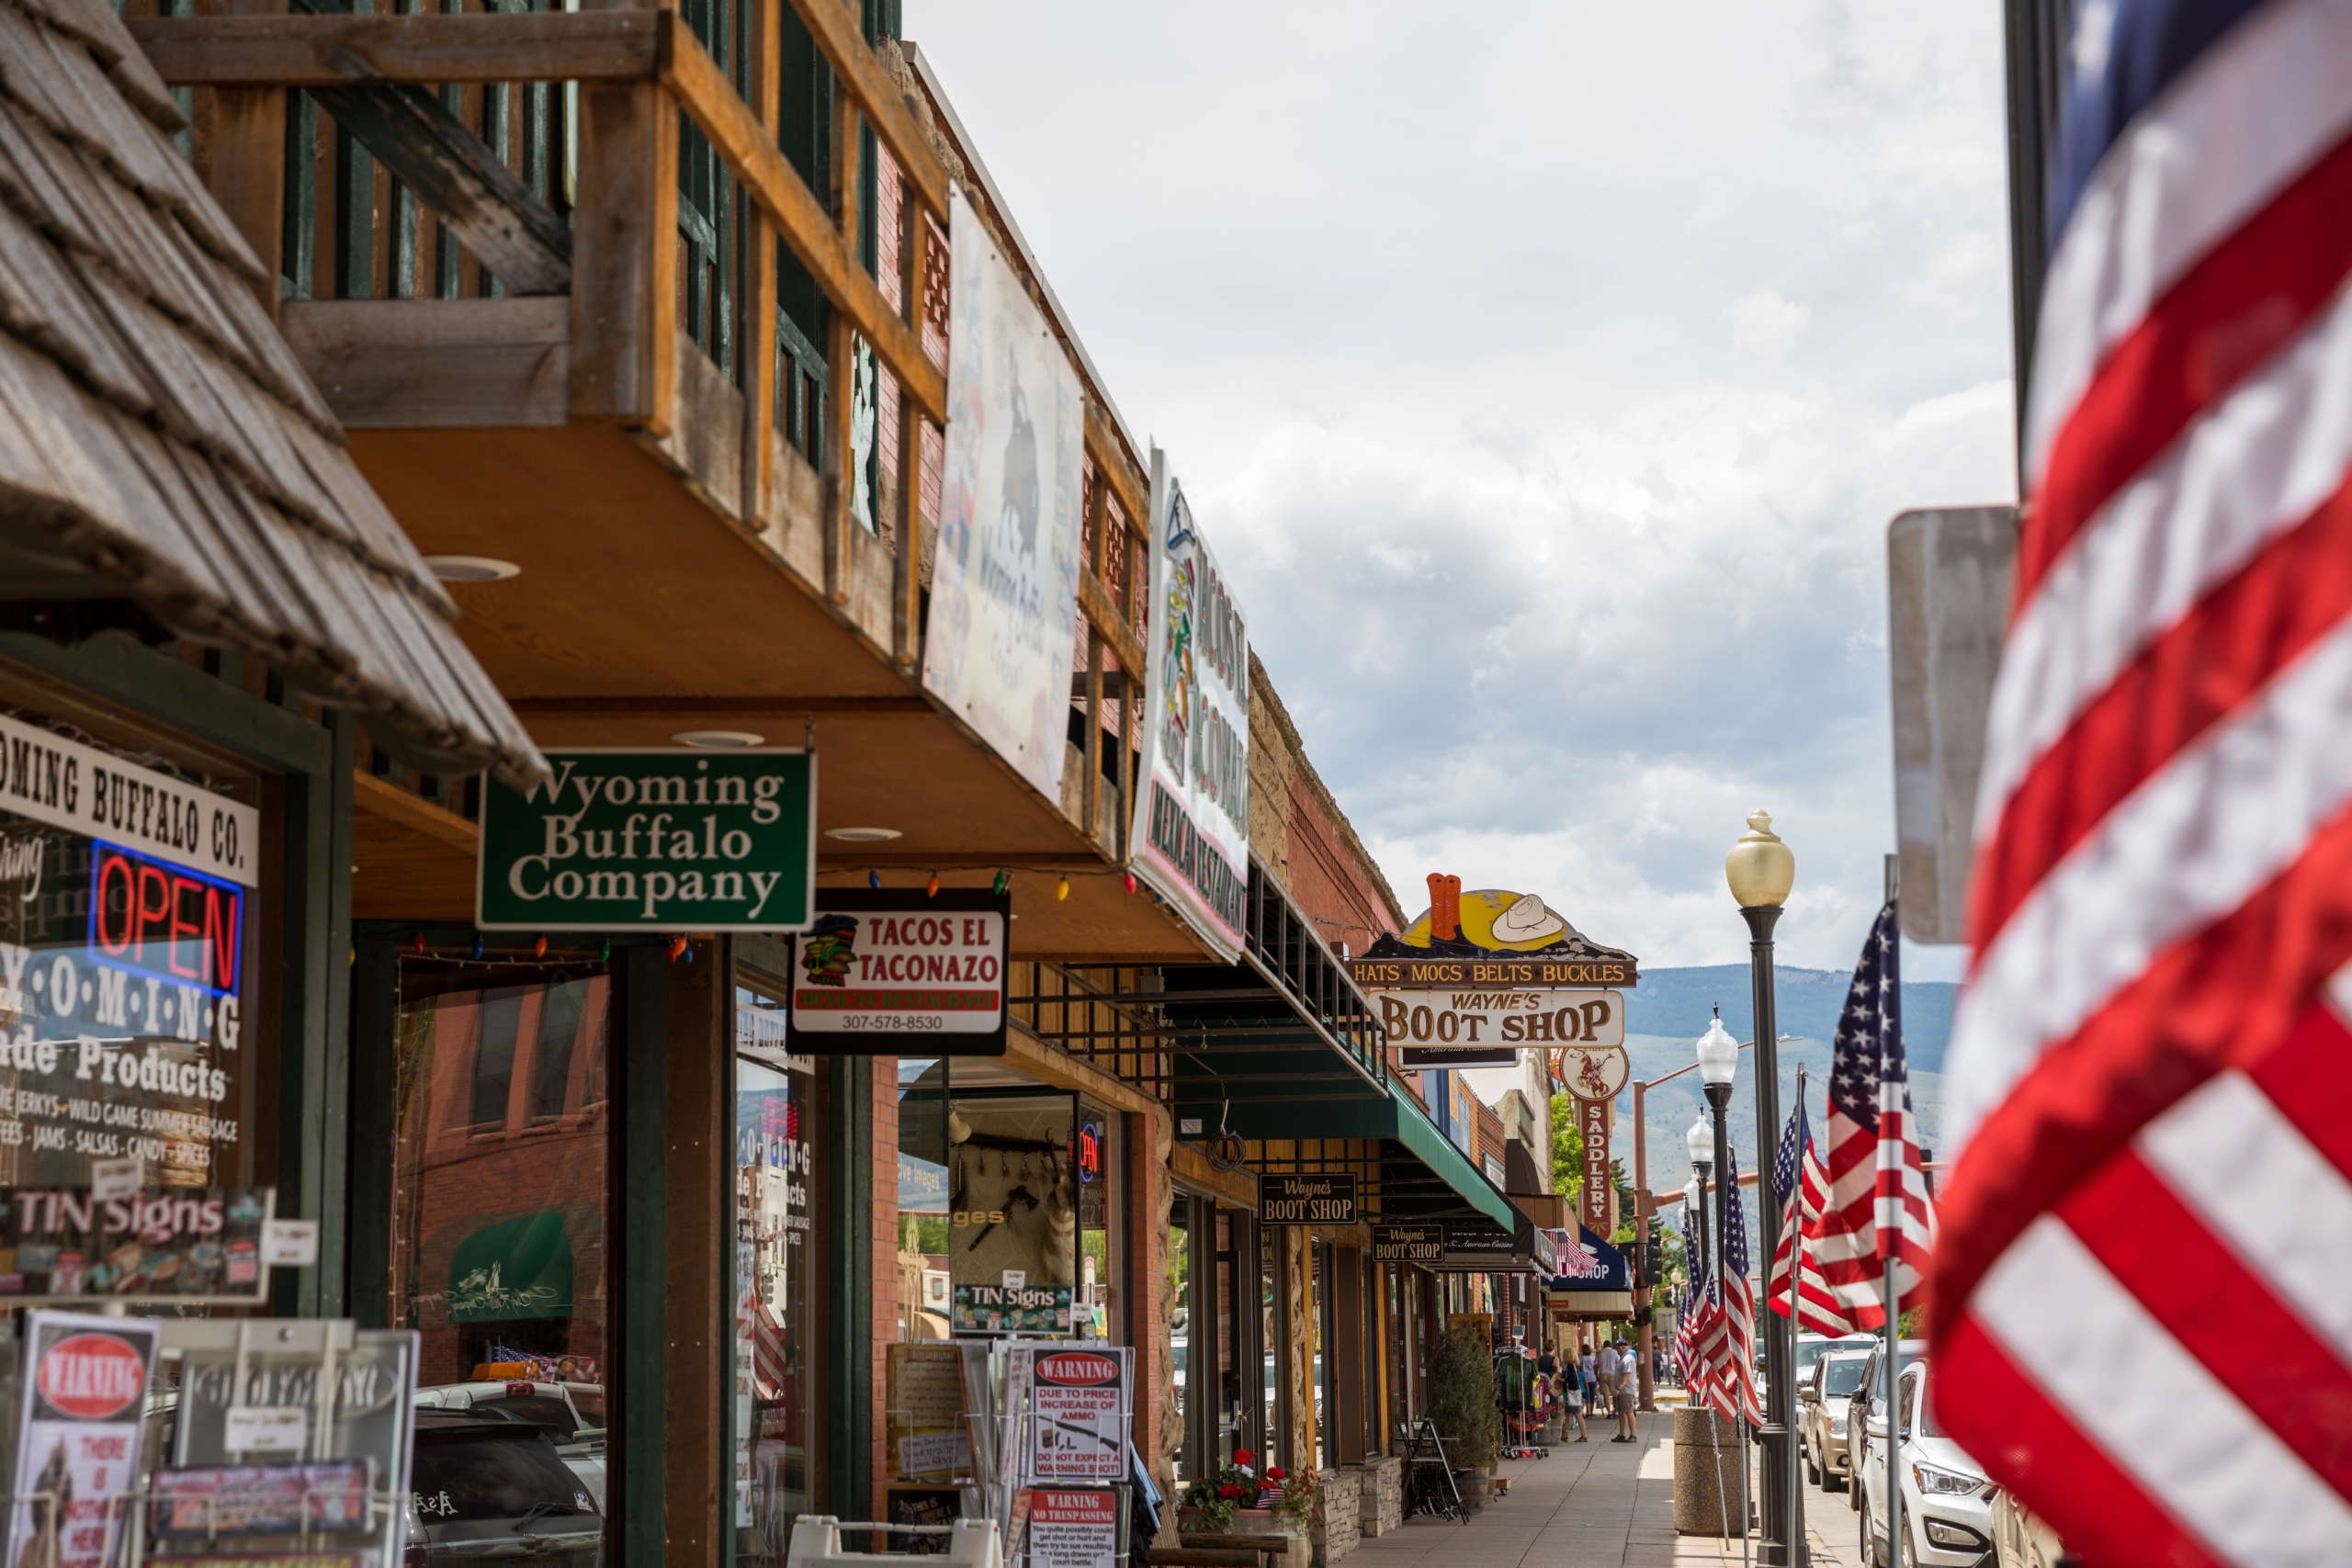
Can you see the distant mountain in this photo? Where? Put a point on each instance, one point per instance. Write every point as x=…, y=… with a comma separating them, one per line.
x=1669, y=1011
x=1677, y=1002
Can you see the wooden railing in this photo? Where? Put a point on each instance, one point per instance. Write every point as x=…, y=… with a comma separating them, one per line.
x=634, y=81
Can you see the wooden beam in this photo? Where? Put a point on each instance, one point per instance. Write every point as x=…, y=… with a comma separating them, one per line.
x=1110, y=454
x=625, y=254
x=246, y=171
x=709, y=101
x=344, y=50
x=695, y=707
x=835, y=27
x=1029, y=1053
x=840, y=464
x=757, y=296
x=907, y=628
x=1102, y=612
x=436, y=364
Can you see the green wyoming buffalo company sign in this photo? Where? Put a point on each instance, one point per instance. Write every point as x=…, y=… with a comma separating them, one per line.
x=662, y=841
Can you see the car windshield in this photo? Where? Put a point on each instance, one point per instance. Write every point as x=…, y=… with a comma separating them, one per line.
x=493, y=1477
x=545, y=1411
x=1843, y=1375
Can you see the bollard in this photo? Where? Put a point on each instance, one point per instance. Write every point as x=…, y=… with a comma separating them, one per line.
x=1700, y=1507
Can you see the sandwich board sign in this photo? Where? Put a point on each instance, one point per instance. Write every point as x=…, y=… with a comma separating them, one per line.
x=659, y=840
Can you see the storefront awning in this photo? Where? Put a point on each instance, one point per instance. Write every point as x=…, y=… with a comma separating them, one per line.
x=518, y=1268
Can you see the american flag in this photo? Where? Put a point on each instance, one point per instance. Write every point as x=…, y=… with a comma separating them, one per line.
x=1698, y=1307
x=1727, y=1339
x=1878, y=1195
x=1804, y=1189
x=2142, y=1307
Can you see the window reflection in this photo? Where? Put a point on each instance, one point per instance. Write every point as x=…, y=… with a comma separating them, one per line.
x=777, y=1276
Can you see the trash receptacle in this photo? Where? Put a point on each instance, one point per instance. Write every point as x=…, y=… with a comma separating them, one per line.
x=1706, y=1450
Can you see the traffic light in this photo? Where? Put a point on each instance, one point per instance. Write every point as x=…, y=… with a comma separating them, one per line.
x=1653, y=1262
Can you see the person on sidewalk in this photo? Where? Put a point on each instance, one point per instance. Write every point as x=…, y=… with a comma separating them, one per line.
x=1570, y=1382
x=1624, y=1390
x=1605, y=1382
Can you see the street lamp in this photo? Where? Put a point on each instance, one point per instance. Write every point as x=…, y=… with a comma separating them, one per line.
x=1701, y=1142
x=1761, y=870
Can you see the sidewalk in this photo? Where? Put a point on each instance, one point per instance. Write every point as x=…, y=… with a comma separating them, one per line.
x=1598, y=1504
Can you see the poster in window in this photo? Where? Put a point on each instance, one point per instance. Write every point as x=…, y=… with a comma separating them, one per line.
x=77, y=1437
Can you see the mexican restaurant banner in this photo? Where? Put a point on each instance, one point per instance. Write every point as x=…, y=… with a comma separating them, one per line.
x=1004, y=595
x=1191, y=821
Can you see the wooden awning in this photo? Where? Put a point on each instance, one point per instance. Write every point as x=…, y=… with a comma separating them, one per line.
x=160, y=445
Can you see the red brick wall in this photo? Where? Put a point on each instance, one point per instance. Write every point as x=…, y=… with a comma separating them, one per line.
x=1334, y=888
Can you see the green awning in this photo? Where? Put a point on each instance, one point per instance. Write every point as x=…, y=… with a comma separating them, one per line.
x=1435, y=1150
x=518, y=1268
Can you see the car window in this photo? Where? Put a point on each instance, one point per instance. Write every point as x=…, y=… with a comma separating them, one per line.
x=1927, y=1421
x=590, y=1403
x=492, y=1478
x=546, y=1411
x=1906, y=1393
x=1842, y=1375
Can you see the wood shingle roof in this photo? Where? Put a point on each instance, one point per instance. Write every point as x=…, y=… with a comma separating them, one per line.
x=157, y=434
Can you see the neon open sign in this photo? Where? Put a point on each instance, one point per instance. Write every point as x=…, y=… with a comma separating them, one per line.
x=163, y=921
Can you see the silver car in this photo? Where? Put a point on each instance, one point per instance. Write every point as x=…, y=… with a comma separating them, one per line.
x=1864, y=1405
x=1824, y=1399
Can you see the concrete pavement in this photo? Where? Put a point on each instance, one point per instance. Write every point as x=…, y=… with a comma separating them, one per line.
x=1596, y=1505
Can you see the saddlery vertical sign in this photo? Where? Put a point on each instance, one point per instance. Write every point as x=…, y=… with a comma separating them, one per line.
x=659, y=841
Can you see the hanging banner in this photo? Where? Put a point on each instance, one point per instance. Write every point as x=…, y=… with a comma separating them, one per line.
x=894, y=971
x=1592, y=1121
x=1192, y=809
x=1004, y=594
x=84, y=1393
x=1306, y=1197
x=657, y=840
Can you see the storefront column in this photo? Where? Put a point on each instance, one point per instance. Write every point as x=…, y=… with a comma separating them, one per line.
x=851, y=1306
x=640, y=1247
x=1147, y=1303
x=1298, y=1270
x=699, y=1309
x=882, y=1207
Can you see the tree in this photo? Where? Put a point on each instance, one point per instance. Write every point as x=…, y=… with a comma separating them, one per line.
x=1462, y=1381
x=1568, y=1148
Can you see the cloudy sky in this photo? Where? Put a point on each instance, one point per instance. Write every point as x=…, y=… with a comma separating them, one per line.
x=1544, y=376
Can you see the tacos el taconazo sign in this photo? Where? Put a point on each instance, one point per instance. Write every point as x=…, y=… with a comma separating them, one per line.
x=1491, y=938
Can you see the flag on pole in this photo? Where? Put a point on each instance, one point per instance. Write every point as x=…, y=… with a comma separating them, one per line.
x=1727, y=1342
x=2151, y=1061
x=1878, y=1201
x=1804, y=1189
x=1696, y=1306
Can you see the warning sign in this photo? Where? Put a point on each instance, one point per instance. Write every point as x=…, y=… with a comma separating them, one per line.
x=1073, y=1528
x=1078, y=1414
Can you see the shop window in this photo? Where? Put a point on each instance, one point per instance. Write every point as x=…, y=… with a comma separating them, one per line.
x=127, y=1005
x=778, y=1417
x=1182, y=1229
x=923, y=1218
x=498, y=1199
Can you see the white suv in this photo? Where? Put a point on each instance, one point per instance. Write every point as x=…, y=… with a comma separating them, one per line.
x=1947, y=1499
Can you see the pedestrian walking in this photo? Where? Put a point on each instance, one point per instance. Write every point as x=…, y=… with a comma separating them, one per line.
x=1623, y=1390
x=1571, y=1385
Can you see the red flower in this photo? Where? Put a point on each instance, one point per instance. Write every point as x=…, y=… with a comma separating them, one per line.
x=1274, y=1473
x=1229, y=1490
x=1243, y=1456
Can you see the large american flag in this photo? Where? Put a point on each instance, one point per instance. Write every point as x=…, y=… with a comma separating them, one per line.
x=1698, y=1306
x=1802, y=1185
x=1727, y=1337
x=1878, y=1195
x=2142, y=1306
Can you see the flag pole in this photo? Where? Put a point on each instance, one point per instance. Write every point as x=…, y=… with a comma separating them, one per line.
x=1891, y=1248
x=1800, y=1554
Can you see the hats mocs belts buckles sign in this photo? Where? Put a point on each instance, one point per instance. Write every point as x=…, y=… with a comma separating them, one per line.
x=652, y=841
x=1306, y=1197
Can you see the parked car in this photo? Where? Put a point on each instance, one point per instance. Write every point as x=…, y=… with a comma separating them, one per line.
x=1823, y=1403
x=493, y=1487
x=570, y=1414
x=2022, y=1538
x=1811, y=1347
x=1947, y=1499
x=1864, y=1402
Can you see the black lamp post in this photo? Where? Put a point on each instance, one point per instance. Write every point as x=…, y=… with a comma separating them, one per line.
x=1762, y=871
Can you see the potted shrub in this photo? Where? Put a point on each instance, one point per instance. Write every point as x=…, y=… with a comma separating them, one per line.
x=1468, y=1409
x=1210, y=1503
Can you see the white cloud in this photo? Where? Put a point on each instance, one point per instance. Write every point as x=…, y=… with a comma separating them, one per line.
x=1765, y=324
x=1561, y=563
